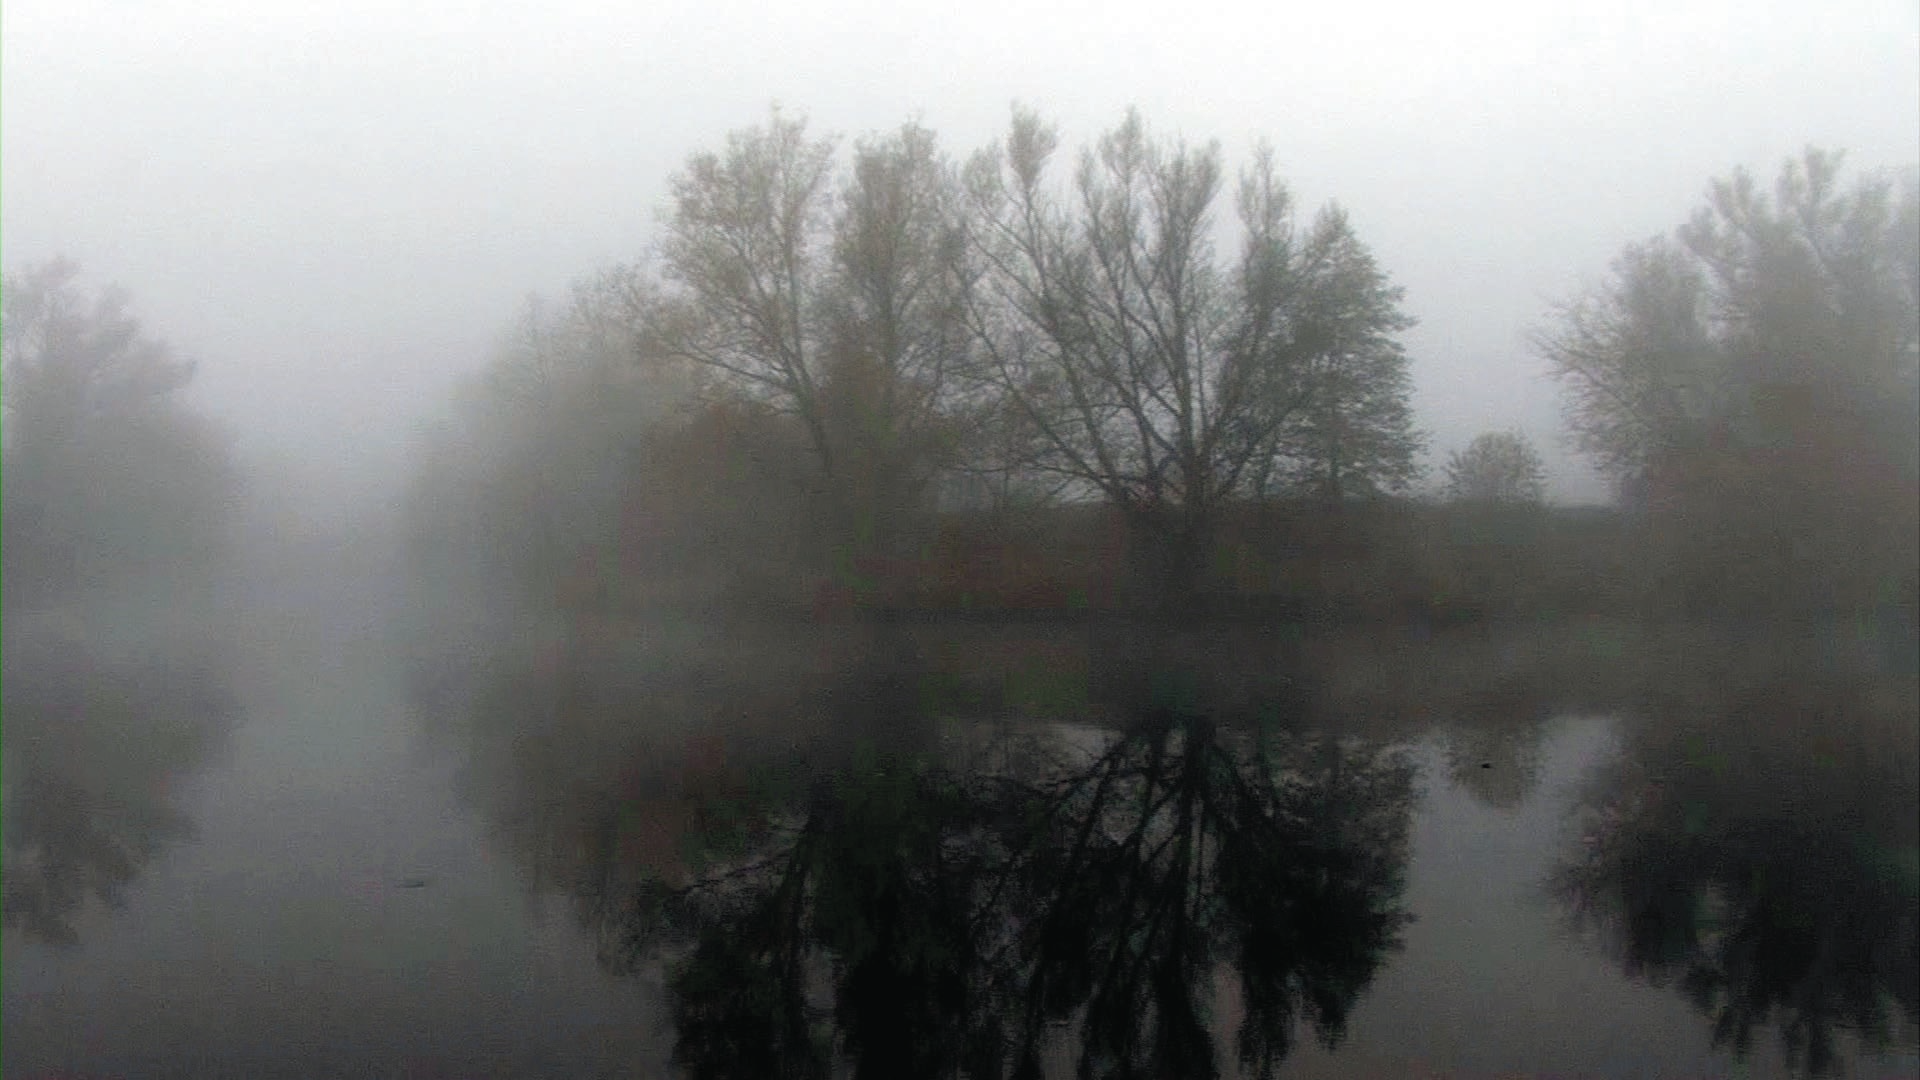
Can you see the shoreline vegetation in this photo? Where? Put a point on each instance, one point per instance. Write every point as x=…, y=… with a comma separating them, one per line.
x=880, y=382
x=1384, y=564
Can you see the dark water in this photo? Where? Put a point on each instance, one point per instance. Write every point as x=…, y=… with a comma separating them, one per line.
x=350, y=848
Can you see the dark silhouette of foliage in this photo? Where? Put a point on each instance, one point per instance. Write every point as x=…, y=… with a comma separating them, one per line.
x=94, y=743
x=833, y=298
x=1761, y=857
x=915, y=913
x=1753, y=383
x=1498, y=467
x=109, y=476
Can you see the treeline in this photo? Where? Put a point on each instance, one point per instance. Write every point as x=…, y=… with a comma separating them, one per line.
x=114, y=538
x=826, y=357
x=894, y=378
x=1752, y=386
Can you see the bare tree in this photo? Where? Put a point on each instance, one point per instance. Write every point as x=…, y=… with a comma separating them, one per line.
x=837, y=299
x=1636, y=360
x=1149, y=370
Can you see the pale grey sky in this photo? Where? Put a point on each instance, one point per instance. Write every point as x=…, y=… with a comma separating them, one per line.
x=336, y=205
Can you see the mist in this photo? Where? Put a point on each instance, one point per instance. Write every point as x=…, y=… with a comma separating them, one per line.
x=335, y=208
x=969, y=542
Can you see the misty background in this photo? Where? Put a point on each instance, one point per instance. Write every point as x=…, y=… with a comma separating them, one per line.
x=337, y=209
x=580, y=533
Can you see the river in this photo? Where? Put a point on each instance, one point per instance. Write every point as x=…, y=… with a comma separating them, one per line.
x=345, y=907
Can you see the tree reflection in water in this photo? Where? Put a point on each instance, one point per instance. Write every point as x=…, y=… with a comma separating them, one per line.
x=835, y=877
x=93, y=746
x=1002, y=901
x=1756, y=846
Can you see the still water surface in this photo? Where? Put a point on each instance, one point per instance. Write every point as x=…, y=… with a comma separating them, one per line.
x=1587, y=876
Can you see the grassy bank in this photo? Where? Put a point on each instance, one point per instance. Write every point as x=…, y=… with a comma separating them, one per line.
x=1366, y=563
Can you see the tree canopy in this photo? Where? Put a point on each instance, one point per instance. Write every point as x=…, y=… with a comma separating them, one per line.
x=1497, y=467
x=108, y=473
x=1753, y=380
x=1159, y=374
x=833, y=296
x=1747, y=314
x=921, y=328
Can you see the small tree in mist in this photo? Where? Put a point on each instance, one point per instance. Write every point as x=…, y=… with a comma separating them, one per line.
x=1152, y=371
x=1497, y=467
x=1752, y=382
x=109, y=476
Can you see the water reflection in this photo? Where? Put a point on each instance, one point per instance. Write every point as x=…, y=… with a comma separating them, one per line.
x=904, y=894
x=97, y=738
x=1756, y=845
x=1498, y=764
x=1014, y=851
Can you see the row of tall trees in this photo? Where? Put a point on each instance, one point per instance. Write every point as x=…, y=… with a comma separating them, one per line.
x=877, y=333
x=896, y=307
x=842, y=342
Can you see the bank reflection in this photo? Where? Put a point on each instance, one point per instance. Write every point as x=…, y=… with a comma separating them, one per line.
x=945, y=850
x=854, y=872
x=1755, y=845
x=98, y=739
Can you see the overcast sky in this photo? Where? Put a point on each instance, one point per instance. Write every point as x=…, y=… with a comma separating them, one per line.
x=335, y=206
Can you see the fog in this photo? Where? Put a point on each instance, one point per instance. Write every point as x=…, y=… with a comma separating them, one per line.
x=336, y=207
x=960, y=541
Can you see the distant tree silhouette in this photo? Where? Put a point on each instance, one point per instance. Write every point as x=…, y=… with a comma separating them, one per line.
x=1754, y=382
x=1759, y=855
x=834, y=297
x=899, y=333
x=93, y=744
x=109, y=476
x=1497, y=468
